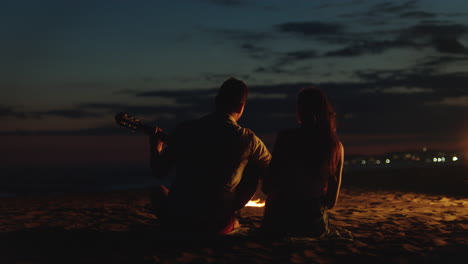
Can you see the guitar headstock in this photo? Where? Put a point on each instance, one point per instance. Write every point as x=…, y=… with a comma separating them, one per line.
x=129, y=121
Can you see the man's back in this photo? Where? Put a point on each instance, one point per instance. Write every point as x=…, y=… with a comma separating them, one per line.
x=210, y=155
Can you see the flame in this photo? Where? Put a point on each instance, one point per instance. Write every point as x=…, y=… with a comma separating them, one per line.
x=256, y=203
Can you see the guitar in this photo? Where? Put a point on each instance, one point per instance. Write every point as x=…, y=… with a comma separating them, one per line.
x=133, y=123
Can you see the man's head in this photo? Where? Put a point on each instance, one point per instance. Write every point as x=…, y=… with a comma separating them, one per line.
x=231, y=97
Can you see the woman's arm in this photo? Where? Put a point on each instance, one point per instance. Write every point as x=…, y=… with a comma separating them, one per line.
x=273, y=173
x=334, y=183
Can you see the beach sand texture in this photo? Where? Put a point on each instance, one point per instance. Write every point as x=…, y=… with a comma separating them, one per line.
x=117, y=227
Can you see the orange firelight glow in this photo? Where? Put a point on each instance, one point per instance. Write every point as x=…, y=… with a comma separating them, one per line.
x=255, y=203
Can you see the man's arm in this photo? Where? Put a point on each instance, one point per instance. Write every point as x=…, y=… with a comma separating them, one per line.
x=334, y=183
x=255, y=170
x=271, y=179
x=260, y=156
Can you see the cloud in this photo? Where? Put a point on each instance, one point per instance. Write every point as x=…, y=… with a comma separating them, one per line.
x=312, y=28
x=256, y=95
x=67, y=113
x=391, y=7
x=10, y=112
x=164, y=111
x=418, y=15
x=221, y=77
x=442, y=37
x=399, y=106
x=435, y=30
x=459, y=101
x=441, y=61
x=386, y=12
x=406, y=90
x=229, y=3
x=449, y=45
x=256, y=52
x=367, y=47
x=244, y=36
x=298, y=55
x=398, y=90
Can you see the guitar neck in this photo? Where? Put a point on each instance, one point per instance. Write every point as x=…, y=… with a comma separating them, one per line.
x=129, y=121
x=149, y=130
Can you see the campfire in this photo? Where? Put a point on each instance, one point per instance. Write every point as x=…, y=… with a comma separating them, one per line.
x=255, y=203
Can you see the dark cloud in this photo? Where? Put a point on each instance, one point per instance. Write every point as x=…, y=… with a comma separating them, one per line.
x=220, y=78
x=67, y=113
x=229, y=3
x=404, y=101
x=443, y=83
x=449, y=45
x=457, y=101
x=96, y=131
x=386, y=12
x=378, y=11
x=417, y=15
x=392, y=7
x=367, y=47
x=437, y=62
x=181, y=95
x=442, y=38
x=271, y=69
x=310, y=29
x=287, y=59
x=256, y=51
x=244, y=36
x=168, y=113
x=10, y=112
x=433, y=30
x=299, y=55
x=339, y=4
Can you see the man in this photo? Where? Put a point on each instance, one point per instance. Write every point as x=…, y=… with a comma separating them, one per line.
x=210, y=156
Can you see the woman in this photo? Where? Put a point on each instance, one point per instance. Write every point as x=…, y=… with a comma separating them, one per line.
x=304, y=176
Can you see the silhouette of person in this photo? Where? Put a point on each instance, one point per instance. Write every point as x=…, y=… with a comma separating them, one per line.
x=304, y=176
x=210, y=156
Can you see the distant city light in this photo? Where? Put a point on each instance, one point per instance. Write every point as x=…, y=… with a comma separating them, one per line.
x=363, y=162
x=387, y=161
x=424, y=149
x=434, y=159
x=443, y=159
x=454, y=158
x=439, y=159
x=377, y=162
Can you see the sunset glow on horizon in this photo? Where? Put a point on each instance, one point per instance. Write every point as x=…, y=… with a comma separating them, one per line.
x=395, y=71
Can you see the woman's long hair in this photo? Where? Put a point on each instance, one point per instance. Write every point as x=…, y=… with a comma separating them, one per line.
x=316, y=113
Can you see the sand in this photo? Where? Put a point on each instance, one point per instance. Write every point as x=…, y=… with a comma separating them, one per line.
x=117, y=227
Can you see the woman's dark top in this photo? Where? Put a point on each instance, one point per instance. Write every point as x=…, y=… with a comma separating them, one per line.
x=297, y=181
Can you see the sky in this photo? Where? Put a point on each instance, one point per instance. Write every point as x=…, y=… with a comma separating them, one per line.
x=396, y=71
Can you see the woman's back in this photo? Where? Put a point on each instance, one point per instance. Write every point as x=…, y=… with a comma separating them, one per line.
x=304, y=175
x=296, y=169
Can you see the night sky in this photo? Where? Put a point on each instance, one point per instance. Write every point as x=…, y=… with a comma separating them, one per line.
x=396, y=71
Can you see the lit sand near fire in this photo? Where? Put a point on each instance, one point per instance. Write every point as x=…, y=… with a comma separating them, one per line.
x=391, y=227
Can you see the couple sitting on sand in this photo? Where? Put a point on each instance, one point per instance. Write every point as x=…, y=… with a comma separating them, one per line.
x=218, y=165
